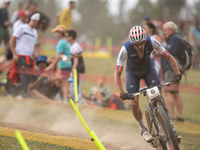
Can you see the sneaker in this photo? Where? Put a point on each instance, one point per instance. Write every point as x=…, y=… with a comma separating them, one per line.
x=178, y=138
x=146, y=136
x=180, y=119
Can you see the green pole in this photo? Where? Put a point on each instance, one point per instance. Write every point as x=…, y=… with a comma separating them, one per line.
x=76, y=87
x=21, y=140
x=91, y=133
x=97, y=44
x=109, y=43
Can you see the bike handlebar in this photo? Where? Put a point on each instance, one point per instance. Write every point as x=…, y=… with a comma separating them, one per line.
x=131, y=96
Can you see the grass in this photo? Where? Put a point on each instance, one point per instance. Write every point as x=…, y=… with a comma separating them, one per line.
x=11, y=143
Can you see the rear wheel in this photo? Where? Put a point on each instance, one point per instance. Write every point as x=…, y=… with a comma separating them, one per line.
x=153, y=130
x=167, y=129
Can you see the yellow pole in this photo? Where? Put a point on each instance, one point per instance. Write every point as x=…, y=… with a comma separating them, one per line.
x=97, y=44
x=76, y=87
x=109, y=44
x=91, y=133
x=21, y=140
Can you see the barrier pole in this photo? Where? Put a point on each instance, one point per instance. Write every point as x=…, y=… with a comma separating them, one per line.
x=93, y=136
x=109, y=44
x=21, y=140
x=76, y=87
x=97, y=43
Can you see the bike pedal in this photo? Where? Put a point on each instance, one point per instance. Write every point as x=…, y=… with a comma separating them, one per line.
x=153, y=144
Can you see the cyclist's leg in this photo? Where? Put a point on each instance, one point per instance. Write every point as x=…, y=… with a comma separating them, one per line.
x=132, y=86
x=151, y=77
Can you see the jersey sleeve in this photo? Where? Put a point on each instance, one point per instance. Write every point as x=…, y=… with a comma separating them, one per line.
x=121, y=59
x=18, y=32
x=75, y=51
x=157, y=46
x=60, y=47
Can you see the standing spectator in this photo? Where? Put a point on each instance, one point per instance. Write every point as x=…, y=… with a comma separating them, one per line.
x=174, y=47
x=62, y=48
x=15, y=14
x=4, y=23
x=181, y=29
x=194, y=36
x=43, y=23
x=145, y=20
x=66, y=15
x=150, y=29
x=22, y=20
x=77, y=60
x=25, y=39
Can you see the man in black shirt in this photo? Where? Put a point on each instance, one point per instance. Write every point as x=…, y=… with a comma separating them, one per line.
x=4, y=23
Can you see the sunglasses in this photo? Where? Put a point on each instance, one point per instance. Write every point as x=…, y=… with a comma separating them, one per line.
x=66, y=35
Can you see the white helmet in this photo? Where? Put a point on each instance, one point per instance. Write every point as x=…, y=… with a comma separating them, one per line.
x=137, y=34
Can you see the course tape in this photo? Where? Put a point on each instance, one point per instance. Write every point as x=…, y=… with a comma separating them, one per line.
x=88, y=77
x=59, y=140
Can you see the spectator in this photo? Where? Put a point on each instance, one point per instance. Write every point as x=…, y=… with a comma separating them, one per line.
x=145, y=20
x=4, y=23
x=43, y=23
x=77, y=61
x=101, y=95
x=155, y=56
x=44, y=86
x=62, y=48
x=194, y=36
x=22, y=20
x=15, y=15
x=66, y=15
x=25, y=39
x=174, y=47
x=181, y=29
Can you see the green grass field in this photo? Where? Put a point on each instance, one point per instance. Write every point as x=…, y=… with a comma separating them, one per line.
x=191, y=103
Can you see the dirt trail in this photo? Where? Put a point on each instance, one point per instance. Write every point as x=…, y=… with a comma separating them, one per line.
x=61, y=120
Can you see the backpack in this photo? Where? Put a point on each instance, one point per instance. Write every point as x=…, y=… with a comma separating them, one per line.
x=185, y=60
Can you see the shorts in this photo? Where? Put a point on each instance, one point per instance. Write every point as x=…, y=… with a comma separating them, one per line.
x=4, y=35
x=9, y=54
x=133, y=82
x=168, y=76
x=65, y=72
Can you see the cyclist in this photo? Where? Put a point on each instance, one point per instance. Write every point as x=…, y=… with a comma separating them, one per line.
x=137, y=52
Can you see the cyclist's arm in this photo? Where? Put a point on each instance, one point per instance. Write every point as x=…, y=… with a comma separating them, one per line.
x=173, y=63
x=156, y=45
x=119, y=68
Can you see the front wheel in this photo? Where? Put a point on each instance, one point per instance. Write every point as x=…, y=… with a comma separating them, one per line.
x=153, y=129
x=167, y=128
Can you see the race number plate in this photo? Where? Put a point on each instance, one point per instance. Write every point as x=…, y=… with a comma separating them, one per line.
x=153, y=92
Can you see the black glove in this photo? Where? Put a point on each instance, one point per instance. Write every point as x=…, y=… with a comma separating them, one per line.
x=177, y=77
x=125, y=96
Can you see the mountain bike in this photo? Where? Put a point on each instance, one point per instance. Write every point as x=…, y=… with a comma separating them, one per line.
x=158, y=119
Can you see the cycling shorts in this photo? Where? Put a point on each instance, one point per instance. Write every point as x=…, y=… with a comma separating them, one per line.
x=150, y=77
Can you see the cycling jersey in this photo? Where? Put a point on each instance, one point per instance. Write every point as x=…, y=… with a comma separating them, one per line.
x=137, y=68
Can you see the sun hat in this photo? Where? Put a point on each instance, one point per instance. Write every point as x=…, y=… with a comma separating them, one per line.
x=60, y=28
x=42, y=58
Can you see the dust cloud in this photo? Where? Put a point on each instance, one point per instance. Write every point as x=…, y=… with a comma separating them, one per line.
x=60, y=119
